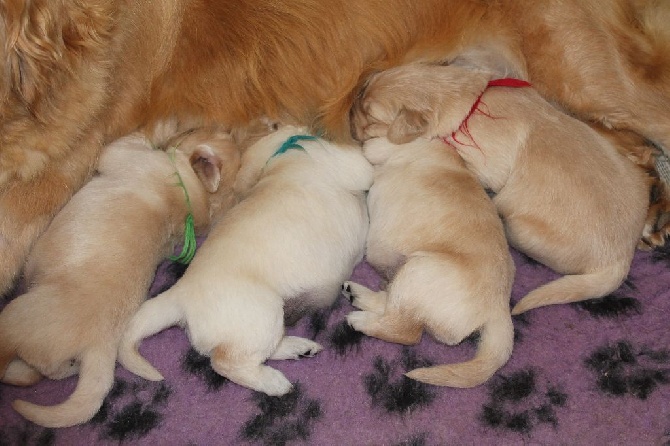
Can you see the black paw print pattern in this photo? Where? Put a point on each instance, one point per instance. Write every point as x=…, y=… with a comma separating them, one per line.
x=390, y=389
x=132, y=409
x=616, y=305
x=199, y=365
x=27, y=434
x=343, y=338
x=621, y=370
x=518, y=402
x=282, y=419
x=661, y=254
x=611, y=307
x=170, y=272
x=415, y=440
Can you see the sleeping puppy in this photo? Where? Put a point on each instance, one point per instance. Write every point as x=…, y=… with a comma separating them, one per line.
x=92, y=268
x=292, y=241
x=436, y=234
x=567, y=198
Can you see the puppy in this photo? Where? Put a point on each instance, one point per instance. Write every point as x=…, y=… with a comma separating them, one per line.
x=567, y=197
x=436, y=234
x=292, y=241
x=91, y=269
x=98, y=69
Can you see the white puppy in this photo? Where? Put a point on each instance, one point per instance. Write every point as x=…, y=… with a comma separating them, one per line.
x=296, y=236
x=91, y=269
x=437, y=235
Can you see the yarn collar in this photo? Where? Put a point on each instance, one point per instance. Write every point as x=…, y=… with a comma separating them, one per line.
x=190, y=243
x=292, y=143
x=463, y=127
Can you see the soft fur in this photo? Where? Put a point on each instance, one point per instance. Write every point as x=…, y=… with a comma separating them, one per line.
x=293, y=240
x=91, y=269
x=567, y=197
x=74, y=73
x=437, y=235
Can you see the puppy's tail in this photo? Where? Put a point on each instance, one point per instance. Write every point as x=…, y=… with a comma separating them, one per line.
x=153, y=316
x=96, y=377
x=574, y=288
x=495, y=348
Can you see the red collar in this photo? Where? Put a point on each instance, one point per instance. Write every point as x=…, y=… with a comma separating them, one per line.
x=504, y=82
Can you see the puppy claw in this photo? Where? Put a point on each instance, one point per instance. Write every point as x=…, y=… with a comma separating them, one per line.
x=347, y=292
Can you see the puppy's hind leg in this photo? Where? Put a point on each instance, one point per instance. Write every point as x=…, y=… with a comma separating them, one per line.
x=364, y=298
x=294, y=347
x=392, y=326
x=96, y=377
x=19, y=373
x=248, y=371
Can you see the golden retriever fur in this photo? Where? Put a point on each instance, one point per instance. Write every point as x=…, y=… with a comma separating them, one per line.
x=67, y=323
x=75, y=74
x=436, y=234
x=291, y=242
x=568, y=198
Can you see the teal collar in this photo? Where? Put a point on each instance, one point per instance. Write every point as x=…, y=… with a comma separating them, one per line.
x=292, y=143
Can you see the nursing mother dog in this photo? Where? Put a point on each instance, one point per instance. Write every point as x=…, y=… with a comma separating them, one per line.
x=77, y=74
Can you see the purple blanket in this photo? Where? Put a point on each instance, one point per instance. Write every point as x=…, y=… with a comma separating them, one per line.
x=592, y=373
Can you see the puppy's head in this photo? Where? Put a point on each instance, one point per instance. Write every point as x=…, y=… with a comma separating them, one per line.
x=215, y=159
x=259, y=147
x=415, y=100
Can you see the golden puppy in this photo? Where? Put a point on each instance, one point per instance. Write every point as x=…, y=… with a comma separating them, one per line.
x=76, y=74
x=566, y=196
x=293, y=240
x=436, y=234
x=92, y=268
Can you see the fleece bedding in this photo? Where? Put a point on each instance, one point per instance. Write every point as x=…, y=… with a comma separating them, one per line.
x=591, y=373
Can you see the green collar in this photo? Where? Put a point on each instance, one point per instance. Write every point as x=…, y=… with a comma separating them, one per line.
x=190, y=244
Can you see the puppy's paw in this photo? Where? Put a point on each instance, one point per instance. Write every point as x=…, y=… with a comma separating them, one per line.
x=273, y=382
x=18, y=373
x=657, y=225
x=361, y=320
x=364, y=298
x=294, y=347
x=347, y=291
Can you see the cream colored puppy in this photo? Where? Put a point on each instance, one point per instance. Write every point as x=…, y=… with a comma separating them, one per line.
x=567, y=198
x=436, y=234
x=91, y=269
x=293, y=240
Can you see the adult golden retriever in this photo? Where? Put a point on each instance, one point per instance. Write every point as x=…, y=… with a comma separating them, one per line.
x=77, y=73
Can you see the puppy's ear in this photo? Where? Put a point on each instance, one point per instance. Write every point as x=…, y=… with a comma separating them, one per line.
x=407, y=126
x=207, y=166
